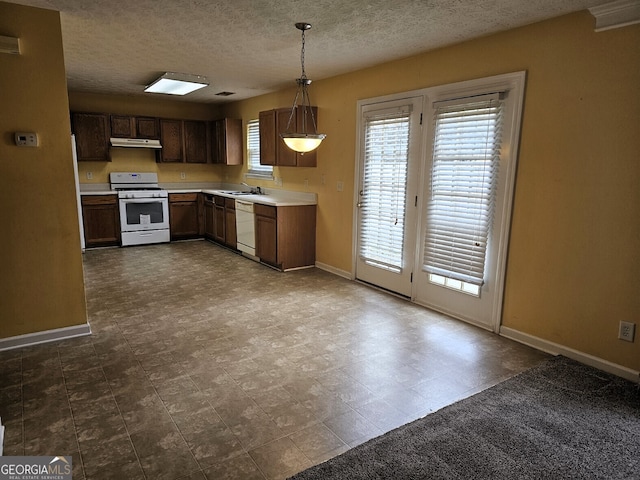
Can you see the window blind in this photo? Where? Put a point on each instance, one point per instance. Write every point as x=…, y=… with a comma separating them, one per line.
x=386, y=150
x=466, y=151
x=253, y=151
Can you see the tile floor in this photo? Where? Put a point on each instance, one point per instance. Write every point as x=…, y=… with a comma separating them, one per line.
x=206, y=365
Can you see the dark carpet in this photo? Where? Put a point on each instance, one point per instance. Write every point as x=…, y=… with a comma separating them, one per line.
x=559, y=420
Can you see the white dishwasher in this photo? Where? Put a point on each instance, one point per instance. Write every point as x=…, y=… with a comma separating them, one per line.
x=246, y=228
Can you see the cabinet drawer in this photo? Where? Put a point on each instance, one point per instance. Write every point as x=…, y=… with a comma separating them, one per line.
x=264, y=210
x=218, y=200
x=99, y=199
x=183, y=197
x=230, y=203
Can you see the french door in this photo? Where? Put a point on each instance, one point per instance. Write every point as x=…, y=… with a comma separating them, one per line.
x=434, y=200
x=386, y=208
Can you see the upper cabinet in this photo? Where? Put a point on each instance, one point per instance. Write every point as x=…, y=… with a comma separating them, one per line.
x=183, y=141
x=92, y=136
x=127, y=126
x=171, y=140
x=195, y=141
x=273, y=150
x=226, y=141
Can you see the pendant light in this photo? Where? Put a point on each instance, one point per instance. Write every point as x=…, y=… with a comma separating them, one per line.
x=304, y=141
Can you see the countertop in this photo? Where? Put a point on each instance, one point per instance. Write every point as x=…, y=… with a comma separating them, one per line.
x=276, y=198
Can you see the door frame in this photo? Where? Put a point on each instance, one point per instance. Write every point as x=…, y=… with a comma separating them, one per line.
x=413, y=184
x=515, y=82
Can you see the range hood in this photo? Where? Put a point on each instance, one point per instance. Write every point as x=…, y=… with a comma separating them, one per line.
x=135, y=142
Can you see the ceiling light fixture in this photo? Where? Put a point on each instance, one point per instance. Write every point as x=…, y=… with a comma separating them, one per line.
x=304, y=141
x=172, y=83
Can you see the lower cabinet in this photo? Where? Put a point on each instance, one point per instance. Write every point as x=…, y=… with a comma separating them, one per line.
x=207, y=216
x=184, y=215
x=286, y=236
x=101, y=220
x=218, y=219
x=266, y=233
x=230, y=236
x=224, y=221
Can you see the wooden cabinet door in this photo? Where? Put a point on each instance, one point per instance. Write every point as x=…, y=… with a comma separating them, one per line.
x=231, y=234
x=195, y=141
x=284, y=155
x=127, y=126
x=267, y=128
x=101, y=220
x=183, y=215
x=209, y=231
x=147, y=127
x=226, y=141
x=171, y=139
x=218, y=219
x=267, y=239
x=92, y=136
x=122, y=126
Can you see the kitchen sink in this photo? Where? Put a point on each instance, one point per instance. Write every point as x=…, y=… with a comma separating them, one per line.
x=243, y=193
x=238, y=193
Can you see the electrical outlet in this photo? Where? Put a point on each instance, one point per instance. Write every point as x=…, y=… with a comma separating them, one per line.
x=277, y=181
x=306, y=183
x=340, y=186
x=183, y=175
x=627, y=331
x=89, y=175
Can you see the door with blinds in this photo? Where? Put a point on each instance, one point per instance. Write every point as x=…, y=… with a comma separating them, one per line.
x=389, y=165
x=463, y=207
x=436, y=178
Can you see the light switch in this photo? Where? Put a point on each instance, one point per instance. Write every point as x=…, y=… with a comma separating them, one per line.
x=26, y=139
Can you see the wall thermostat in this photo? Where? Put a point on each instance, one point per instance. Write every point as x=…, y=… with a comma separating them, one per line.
x=26, y=139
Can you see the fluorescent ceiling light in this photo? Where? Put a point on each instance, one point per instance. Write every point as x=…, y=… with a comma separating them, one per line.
x=177, y=84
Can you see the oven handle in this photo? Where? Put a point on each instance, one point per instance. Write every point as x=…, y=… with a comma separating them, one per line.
x=144, y=200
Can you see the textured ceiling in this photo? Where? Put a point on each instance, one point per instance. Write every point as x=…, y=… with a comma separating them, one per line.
x=251, y=47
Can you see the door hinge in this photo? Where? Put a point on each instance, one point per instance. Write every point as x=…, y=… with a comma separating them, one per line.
x=421, y=119
x=411, y=277
x=416, y=202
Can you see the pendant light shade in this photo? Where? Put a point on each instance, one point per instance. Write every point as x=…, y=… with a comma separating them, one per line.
x=304, y=141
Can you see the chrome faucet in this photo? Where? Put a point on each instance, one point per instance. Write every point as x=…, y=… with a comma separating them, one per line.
x=257, y=190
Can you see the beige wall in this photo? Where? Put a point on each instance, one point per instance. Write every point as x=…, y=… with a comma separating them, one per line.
x=41, y=282
x=574, y=255
x=574, y=259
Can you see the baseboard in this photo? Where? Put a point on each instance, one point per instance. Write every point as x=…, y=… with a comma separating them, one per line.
x=557, y=349
x=46, y=336
x=334, y=270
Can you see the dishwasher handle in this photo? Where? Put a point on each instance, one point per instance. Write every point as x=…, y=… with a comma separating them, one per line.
x=244, y=206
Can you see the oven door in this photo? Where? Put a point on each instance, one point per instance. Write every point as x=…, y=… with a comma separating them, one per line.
x=141, y=214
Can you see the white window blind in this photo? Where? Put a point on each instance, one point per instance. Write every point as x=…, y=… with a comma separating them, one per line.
x=253, y=151
x=466, y=152
x=382, y=210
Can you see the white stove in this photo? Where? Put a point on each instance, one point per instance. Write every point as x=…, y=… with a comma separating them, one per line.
x=144, y=208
